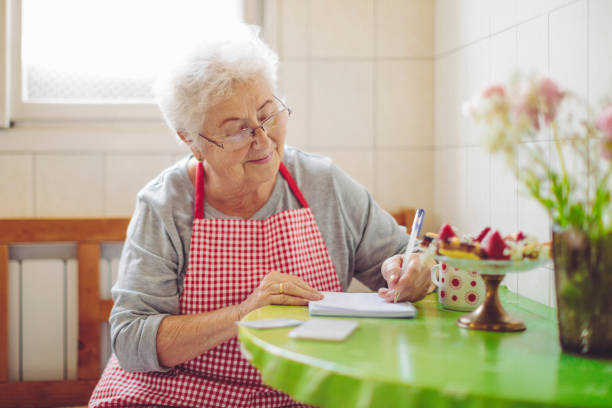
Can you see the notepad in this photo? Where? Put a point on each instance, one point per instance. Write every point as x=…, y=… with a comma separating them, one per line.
x=324, y=329
x=359, y=305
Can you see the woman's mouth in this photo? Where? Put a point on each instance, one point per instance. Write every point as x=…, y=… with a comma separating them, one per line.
x=263, y=159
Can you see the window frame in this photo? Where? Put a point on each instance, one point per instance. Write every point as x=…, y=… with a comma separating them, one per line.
x=14, y=109
x=5, y=36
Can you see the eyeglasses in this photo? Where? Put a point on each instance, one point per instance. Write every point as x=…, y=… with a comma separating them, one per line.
x=239, y=138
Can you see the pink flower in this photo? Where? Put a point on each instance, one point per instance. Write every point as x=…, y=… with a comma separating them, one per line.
x=604, y=123
x=540, y=101
x=493, y=90
x=552, y=98
x=528, y=110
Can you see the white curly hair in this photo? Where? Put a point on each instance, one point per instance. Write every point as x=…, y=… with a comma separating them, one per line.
x=204, y=76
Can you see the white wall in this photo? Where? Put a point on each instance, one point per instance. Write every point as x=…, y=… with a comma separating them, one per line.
x=477, y=41
x=358, y=74
x=375, y=84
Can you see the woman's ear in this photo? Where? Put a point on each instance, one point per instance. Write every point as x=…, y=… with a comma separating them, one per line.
x=190, y=143
x=184, y=137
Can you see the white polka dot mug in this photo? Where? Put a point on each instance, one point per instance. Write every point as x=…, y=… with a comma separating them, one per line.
x=458, y=289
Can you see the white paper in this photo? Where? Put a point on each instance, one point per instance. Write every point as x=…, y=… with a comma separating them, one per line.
x=359, y=305
x=270, y=323
x=324, y=329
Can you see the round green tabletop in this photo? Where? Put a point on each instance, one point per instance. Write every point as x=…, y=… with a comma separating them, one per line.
x=429, y=362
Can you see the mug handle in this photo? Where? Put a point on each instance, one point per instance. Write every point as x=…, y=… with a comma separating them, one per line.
x=434, y=275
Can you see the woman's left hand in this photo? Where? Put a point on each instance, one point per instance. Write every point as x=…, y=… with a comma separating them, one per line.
x=412, y=286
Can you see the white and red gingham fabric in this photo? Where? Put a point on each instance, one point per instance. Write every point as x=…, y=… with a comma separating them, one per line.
x=227, y=260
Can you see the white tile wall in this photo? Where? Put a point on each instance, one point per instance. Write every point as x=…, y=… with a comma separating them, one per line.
x=457, y=23
x=342, y=28
x=16, y=187
x=528, y=9
x=341, y=110
x=69, y=185
x=294, y=19
x=294, y=83
x=567, y=39
x=404, y=101
x=503, y=55
x=532, y=45
x=450, y=187
x=477, y=66
x=125, y=175
x=346, y=68
x=346, y=65
x=504, y=198
x=404, y=178
x=404, y=28
x=600, y=51
x=534, y=220
x=478, y=181
x=358, y=164
x=504, y=15
x=568, y=47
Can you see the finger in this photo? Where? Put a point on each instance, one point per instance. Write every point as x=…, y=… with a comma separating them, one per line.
x=299, y=283
x=390, y=265
x=388, y=295
x=288, y=300
x=291, y=289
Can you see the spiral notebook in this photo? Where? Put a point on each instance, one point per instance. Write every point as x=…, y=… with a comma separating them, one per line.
x=359, y=305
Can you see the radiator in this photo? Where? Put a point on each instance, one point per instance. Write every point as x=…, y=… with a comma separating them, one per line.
x=43, y=309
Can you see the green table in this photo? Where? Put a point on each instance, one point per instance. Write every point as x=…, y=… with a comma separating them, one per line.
x=429, y=362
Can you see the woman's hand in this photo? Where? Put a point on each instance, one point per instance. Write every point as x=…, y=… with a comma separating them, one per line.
x=413, y=286
x=280, y=289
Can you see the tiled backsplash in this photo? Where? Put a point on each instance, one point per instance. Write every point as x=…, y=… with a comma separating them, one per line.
x=358, y=74
x=478, y=41
x=375, y=84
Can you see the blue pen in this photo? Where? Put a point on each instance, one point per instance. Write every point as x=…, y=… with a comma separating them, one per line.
x=417, y=224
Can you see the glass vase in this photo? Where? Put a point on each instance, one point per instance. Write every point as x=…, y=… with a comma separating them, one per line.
x=583, y=280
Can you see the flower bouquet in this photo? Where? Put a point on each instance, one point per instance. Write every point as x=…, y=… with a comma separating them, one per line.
x=573, y=187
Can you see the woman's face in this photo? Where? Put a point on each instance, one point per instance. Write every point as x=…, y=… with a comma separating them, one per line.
x=258, y=160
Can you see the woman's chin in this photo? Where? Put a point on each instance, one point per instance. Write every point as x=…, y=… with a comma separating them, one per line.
x=263, y=170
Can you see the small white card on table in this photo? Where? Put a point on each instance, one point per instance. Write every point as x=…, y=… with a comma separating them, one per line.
x=324, y=329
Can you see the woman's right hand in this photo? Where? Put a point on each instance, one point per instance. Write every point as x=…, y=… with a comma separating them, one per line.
x=280, y=289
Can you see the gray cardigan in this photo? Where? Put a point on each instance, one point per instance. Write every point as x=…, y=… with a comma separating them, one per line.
x=359, y=236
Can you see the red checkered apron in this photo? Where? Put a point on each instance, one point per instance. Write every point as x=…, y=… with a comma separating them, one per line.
x=227, y=260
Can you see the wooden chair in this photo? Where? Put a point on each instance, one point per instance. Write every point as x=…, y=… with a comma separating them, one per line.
x=88, y=233
x=404, y=217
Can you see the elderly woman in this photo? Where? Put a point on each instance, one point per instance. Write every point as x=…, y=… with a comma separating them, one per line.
x=243, y=222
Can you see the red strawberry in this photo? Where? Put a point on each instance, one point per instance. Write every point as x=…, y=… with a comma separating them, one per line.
x=483, y=234
x=520, y=236
x=494, y=246
x=446, y=233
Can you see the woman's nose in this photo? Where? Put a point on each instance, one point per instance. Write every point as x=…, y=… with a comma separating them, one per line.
x=260, y=135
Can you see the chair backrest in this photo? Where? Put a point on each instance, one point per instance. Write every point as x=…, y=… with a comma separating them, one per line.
x=404, y=217
x=88, y=234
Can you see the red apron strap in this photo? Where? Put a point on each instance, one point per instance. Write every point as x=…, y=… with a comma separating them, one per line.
x=199, y=192
x=293, y=185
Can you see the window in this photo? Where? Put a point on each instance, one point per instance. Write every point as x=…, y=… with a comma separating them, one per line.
x=97, y=58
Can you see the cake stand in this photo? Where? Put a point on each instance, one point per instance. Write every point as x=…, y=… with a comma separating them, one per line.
x=491, y=315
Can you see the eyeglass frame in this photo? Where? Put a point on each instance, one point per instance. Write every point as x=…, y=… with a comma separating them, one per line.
x=254, y=129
